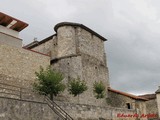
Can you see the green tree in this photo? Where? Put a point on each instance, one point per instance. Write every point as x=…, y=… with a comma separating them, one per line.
x=99, y=89
x=77, y=87
x=49, y=82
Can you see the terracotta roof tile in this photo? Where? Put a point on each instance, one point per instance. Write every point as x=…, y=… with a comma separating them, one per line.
x=127, y=94
x=148, y=96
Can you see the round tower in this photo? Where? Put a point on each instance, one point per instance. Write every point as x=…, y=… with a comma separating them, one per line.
x=66, y=39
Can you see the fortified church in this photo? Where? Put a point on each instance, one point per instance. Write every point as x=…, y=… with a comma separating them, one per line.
x=76, y=51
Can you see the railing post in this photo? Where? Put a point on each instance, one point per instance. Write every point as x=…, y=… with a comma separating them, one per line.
x=20, y=93
x=66, y=117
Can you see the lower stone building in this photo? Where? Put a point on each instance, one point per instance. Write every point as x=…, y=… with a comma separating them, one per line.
x=153, y=103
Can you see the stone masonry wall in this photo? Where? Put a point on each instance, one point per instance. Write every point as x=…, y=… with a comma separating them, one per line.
x=91, y=112
x=158, y=103
x=86, y=68
x=20, y=65
x=120, y=101
x=151, y=106
x=66, y=41
x=93, y=71
x=71, y=67
x=90, y=44
x=13, y=109
x=48, y=47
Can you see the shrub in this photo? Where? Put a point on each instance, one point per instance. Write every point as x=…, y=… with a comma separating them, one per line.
x=77, y=87
x=99, y=89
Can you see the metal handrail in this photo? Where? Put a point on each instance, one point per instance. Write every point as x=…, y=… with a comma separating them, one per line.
x=54, y=106
x=66, y=116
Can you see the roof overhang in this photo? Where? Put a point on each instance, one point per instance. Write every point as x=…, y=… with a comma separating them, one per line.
x=12, y=23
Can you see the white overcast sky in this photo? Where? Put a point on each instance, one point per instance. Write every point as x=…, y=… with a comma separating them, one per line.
x=132, y=28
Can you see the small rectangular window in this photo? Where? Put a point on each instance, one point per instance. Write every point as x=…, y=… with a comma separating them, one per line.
x=128, y=105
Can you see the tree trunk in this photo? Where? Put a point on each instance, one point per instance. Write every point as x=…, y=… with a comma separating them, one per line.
x=78, y=99
x=51, y=96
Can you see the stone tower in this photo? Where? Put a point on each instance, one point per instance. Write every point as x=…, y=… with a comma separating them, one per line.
x=77, y=51
x=80, y=53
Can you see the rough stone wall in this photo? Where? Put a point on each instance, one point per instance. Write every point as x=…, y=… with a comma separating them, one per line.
x=118, y=100
x=92, y=112
x=48, y=47
x=13, y=109
x=90, y=44
x=141, y=107
x=86, y=68
x=158, y=103
x=10, y=40
x=151, y=106
x=93, y=71
x=20, y=65
x=71, y=67
x=66, y=41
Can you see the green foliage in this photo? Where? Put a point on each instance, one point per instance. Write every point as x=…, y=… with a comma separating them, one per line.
x=77, y=87
x=49, y=82
x=99, y=89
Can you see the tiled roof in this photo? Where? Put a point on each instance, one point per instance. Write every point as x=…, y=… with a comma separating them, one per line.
x=148, y=96
x=127, y=94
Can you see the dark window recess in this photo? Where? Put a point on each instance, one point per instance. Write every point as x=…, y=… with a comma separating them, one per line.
x=95, y=67
x=68, y=63
x=128, y=105
x=54, y=61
